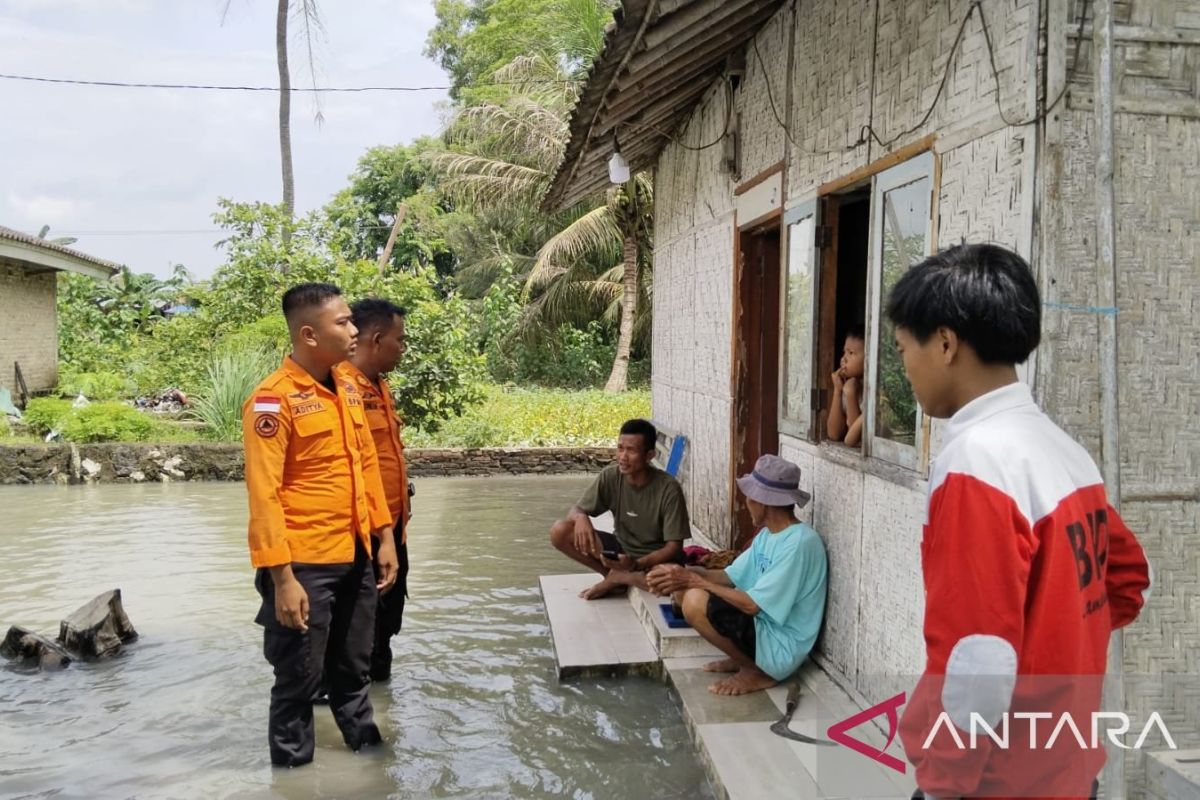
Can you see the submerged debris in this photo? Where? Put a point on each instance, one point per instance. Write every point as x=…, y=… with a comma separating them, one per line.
x=96, y=630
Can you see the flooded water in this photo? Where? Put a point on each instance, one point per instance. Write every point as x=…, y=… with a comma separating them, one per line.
x=474, y=708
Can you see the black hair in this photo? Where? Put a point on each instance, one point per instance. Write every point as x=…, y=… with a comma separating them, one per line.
x=857, y=331
x=643, y=428
x=304, y=296
x=373, y=313
x=985, y=293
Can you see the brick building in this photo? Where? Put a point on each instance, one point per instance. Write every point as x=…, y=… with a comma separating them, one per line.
x=804, y=154
x=28, y=314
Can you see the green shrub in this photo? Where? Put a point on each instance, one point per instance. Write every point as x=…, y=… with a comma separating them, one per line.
x=108, y=422
x=232, y=376
x=44, y=414
x=5, y=428
x=95, y=385
x=510, y=417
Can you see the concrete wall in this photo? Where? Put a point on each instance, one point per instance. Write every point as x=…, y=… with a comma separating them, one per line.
x=843, y=77
x=28, y=328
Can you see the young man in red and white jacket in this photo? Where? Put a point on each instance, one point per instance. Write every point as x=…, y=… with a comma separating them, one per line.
x=1028, y=568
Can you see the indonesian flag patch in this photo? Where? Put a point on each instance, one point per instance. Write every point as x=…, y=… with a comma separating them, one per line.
x=266, y=404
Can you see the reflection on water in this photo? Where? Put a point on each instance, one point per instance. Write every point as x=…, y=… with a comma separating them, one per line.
x=474, y=709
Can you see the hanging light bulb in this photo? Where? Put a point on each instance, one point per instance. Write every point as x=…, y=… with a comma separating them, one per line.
x=618, y=167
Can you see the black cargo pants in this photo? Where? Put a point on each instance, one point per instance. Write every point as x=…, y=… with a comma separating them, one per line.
x=389, y=614
x=341, y=625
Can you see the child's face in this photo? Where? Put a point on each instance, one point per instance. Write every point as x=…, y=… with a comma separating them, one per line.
x=928, y=371
x=852, y=358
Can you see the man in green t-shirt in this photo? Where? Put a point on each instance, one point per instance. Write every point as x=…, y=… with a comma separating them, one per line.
x=649, y=513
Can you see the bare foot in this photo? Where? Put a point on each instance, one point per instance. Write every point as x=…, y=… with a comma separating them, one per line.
x=747, y=680
x=724, y=665
x=604, y=588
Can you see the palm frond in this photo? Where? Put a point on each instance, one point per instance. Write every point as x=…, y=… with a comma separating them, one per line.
x=487, y=181
x=595, y=232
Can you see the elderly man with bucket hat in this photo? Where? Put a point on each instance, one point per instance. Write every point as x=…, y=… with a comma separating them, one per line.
x=764, y=610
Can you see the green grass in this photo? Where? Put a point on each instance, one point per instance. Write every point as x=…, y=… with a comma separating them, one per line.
x=511, y=417
x=507, y=417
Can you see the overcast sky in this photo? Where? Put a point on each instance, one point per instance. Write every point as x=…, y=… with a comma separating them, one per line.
x=100, y=163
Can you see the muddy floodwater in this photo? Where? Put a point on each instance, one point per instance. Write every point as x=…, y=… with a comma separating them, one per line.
x=474, y=708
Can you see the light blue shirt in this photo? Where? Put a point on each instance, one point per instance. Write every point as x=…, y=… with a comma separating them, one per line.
x=785, y=574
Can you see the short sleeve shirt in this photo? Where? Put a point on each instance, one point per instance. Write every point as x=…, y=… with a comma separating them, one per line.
x=785, y=574
x=646, y=518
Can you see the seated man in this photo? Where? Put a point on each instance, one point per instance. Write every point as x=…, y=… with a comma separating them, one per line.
x=649, y=512
x=764, y=610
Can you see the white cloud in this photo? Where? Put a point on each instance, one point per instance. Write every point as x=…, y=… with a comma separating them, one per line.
x=33, y=212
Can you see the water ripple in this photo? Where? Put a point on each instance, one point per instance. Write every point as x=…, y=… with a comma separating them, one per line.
x=473, y=710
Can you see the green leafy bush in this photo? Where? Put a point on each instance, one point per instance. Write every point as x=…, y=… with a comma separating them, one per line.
x=232, y=376
x=510, y=417
x=108, y=422
x=44, y=414
x=95, y=385
x=5, y=428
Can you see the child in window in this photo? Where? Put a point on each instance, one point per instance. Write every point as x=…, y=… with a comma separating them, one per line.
x=845, y=413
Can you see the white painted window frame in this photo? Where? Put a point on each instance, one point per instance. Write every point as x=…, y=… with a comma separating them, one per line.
x=801, y=428
x=913, y=456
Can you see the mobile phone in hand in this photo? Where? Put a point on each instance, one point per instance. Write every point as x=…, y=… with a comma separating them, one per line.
x=610, y=546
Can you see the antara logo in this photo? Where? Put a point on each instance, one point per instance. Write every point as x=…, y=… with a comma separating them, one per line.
x=997, y=735
x=838, y=732
x=1064, y=725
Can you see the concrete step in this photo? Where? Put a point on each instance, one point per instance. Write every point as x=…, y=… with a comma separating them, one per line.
x=746, y=761
x=594, y=637
x=669, y=642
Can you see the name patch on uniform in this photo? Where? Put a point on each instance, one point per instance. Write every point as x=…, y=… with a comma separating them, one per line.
x=300, y=409
x=266, y=404
x=266, y=426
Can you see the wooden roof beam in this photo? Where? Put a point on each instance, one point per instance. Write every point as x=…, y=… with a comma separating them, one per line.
x=640, y=99
x=707, y=53
x=663, y=42
x=633, y=114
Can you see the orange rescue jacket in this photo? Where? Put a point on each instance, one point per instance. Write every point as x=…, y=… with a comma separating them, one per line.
x=385, y=427
x=312, y=472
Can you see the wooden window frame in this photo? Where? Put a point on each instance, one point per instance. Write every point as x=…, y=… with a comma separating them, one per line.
x=890, y=172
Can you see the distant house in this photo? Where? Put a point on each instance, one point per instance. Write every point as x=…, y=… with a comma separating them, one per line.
x=28, y=314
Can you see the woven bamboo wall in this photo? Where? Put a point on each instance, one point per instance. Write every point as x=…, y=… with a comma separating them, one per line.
x=1157, y=137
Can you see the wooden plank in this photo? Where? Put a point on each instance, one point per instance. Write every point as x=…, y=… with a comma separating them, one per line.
x=1123, y=34
x=765, y=175
x=694, y=23
x=713, y=48
x=879, y=165
x=652, y=112
x=1152, y=106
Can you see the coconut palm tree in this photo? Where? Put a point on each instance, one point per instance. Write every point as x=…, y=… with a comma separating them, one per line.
x=502, y=156
x=310, y=22
x=311, y=26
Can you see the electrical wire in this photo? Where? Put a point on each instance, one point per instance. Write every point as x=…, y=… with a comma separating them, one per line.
x=987, y=38
x=779, y=119
x=233, y=88
x=696, y=148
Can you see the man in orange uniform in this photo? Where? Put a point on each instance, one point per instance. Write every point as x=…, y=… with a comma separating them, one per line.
x=315, y=499
x=380, y=326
